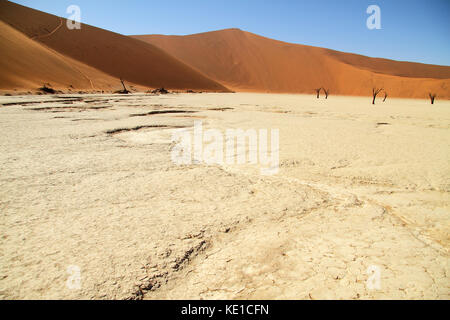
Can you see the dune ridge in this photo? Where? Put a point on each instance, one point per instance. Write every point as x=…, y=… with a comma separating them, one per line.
x=27, y=64
x=243, y=61
x=113, y=54
x=219, y=61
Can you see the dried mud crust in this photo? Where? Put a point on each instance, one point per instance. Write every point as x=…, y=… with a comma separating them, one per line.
x=140, y=227
x=323, y=253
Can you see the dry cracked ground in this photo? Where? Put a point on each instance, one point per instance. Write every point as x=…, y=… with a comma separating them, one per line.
x=358, y=210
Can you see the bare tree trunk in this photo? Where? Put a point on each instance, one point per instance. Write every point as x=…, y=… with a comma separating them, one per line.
x=385, y=96
x=327, y=92
x=432, y=97
x=124, y=88
x=375, y=92
x=318, y=92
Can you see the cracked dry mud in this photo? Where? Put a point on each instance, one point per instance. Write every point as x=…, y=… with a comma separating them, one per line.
x=350, y=194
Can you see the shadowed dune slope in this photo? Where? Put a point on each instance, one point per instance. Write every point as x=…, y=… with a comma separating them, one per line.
x=117, y=55
x=26, y=64
x=247, y=62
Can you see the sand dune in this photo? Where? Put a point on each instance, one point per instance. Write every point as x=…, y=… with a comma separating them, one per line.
x=27, y=64
x=247, y=62
x=92, y=58
x=111, y=53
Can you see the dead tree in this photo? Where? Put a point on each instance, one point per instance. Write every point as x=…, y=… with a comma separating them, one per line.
x=327, y=92
x=385, y=96
x=47, y=89
x=318, y=92
x=375, y=92
x=125, y=90
x=432, y=97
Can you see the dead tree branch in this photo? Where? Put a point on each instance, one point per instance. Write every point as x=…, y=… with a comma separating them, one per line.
x=318, y=92
x=125, y=90
x=375, y=92
x=432, y=97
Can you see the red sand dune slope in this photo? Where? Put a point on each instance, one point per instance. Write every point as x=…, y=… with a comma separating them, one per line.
x=114, y=54
x=247, y=62
x=26, y=64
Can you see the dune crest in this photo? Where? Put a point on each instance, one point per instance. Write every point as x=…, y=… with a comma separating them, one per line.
x=116, y=55
x=27, y=64
x=247, y=62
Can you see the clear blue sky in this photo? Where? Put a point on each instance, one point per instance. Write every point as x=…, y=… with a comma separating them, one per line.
x=412, y=30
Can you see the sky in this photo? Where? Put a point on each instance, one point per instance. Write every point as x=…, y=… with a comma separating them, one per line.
x=411, y=30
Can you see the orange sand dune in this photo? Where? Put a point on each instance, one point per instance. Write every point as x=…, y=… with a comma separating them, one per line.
x=247, y=62
x=26, y=64
x=114, y=54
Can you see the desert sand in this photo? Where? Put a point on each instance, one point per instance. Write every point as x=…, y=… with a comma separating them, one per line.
x=27, y=64
x=38, y=48
x=88, y=181
x=113, y=56
x=243, y=61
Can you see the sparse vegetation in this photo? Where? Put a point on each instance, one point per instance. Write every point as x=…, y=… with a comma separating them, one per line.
x=327, y=92
x=125, y=90
x=160, y=91
x=375, y=92
x=432, y=97
x=318, y=92
x=47, y=89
